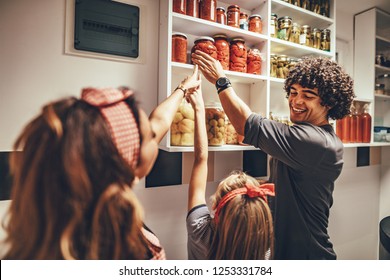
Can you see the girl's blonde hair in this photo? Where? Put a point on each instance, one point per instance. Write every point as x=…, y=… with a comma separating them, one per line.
x=245, y=229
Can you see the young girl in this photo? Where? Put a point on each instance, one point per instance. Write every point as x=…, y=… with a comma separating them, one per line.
x=242, y=225
x=72, y=194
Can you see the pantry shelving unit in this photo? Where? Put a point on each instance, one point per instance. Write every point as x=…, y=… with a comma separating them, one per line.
x=264, y=94
x=372, y=36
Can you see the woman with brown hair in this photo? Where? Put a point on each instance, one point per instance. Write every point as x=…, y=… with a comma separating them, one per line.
x=72, y=194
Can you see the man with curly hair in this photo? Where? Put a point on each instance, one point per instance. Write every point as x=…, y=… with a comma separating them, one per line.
x=306, y=158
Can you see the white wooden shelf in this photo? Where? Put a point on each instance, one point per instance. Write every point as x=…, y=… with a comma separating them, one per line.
x=300, y=15
x=382, y=97
x=290, y=49
x=222, y=148
x=372, y=144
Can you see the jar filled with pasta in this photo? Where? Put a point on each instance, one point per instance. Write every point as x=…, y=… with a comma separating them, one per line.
x=316, y=34
x=182, y=127
x=215, y=124
x=295, y=33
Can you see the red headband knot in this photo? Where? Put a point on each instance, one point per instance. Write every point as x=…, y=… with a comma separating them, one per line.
x=119, y=117
x=250, y=190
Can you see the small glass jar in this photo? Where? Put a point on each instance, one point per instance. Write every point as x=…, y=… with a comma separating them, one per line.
x=296, y=3
x=295, y=33
x=223, y=50
x=238, y=55
x=231, y=135
x=205, y=44
x=255, y=24
x=282, y=69
x=380, y=59
x=305, y=4
x=221, y=15
x=316, y=34
x=274, y=65
x=193, y=8
x=325, y=8
x=305, y=37
x=243, y=21
x=233, y=16
x=208, y=10
x=316, y=6
x=183, y=126
x=180, y=6
x=254, y=62
x=179, y=47
x=273, y=26
x=325, y=40
x=215, y=124
x=285, y=25
x=380, y=89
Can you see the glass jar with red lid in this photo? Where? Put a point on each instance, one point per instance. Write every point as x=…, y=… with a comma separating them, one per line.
x=208, y=10
x=205, y=44
x=193, y=8
x=233, y=16
x=180, y=6
x=223, y=50
x=255, y=24
x=221, y=15
x=179, y=47
x=254, y=62
x=238, y=55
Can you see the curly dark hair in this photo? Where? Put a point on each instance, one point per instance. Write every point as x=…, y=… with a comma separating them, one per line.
x=335, y=87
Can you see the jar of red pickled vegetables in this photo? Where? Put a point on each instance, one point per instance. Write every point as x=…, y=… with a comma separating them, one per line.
x=254, y=62
x=238, y=55
x=179, y=47
x=208, y=10
x=223, y=50
x=255, y=24
x=205, y=44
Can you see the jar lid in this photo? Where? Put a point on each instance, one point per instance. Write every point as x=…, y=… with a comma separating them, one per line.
x=379, y=86
x=204, y=38
x=220, y=36
x=325, y=31
x=243, y=14
x=284, y=18
x=255, y=15
x=315, y=29
x=233, y=7
x=383, y=76
x=274, y=15
x=221, y=8
x=306, y=26
x=179, y=34
x=238, y=39
x=213, y=104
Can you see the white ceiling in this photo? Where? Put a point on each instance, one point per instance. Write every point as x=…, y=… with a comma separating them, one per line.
x=356, y=6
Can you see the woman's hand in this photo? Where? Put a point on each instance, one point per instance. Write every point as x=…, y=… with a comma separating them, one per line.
x=192, y=83
x=211, y=68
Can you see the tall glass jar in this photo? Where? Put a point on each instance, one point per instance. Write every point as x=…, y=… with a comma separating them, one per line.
x=180, y=6
x=223, y=50
x=221, y=15
x=183, y=124
x=193, y=8
x=215, y=124
x=274, y=65
x=316, y=34
x=255, y=24
x=285, y=26
x=208, y=10
x=295, y=33
x=273, y=26
x=233, y=16
x=238, y=55
x=179, y=47
x=325, y=40
x=316, y=6
x=205, y=44
x=305, y=37
x=254, y=61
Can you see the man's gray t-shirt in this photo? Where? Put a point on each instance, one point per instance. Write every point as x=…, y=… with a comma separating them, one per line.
x=306, y=160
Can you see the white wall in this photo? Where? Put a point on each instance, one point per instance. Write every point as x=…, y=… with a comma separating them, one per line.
x=34, y=70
